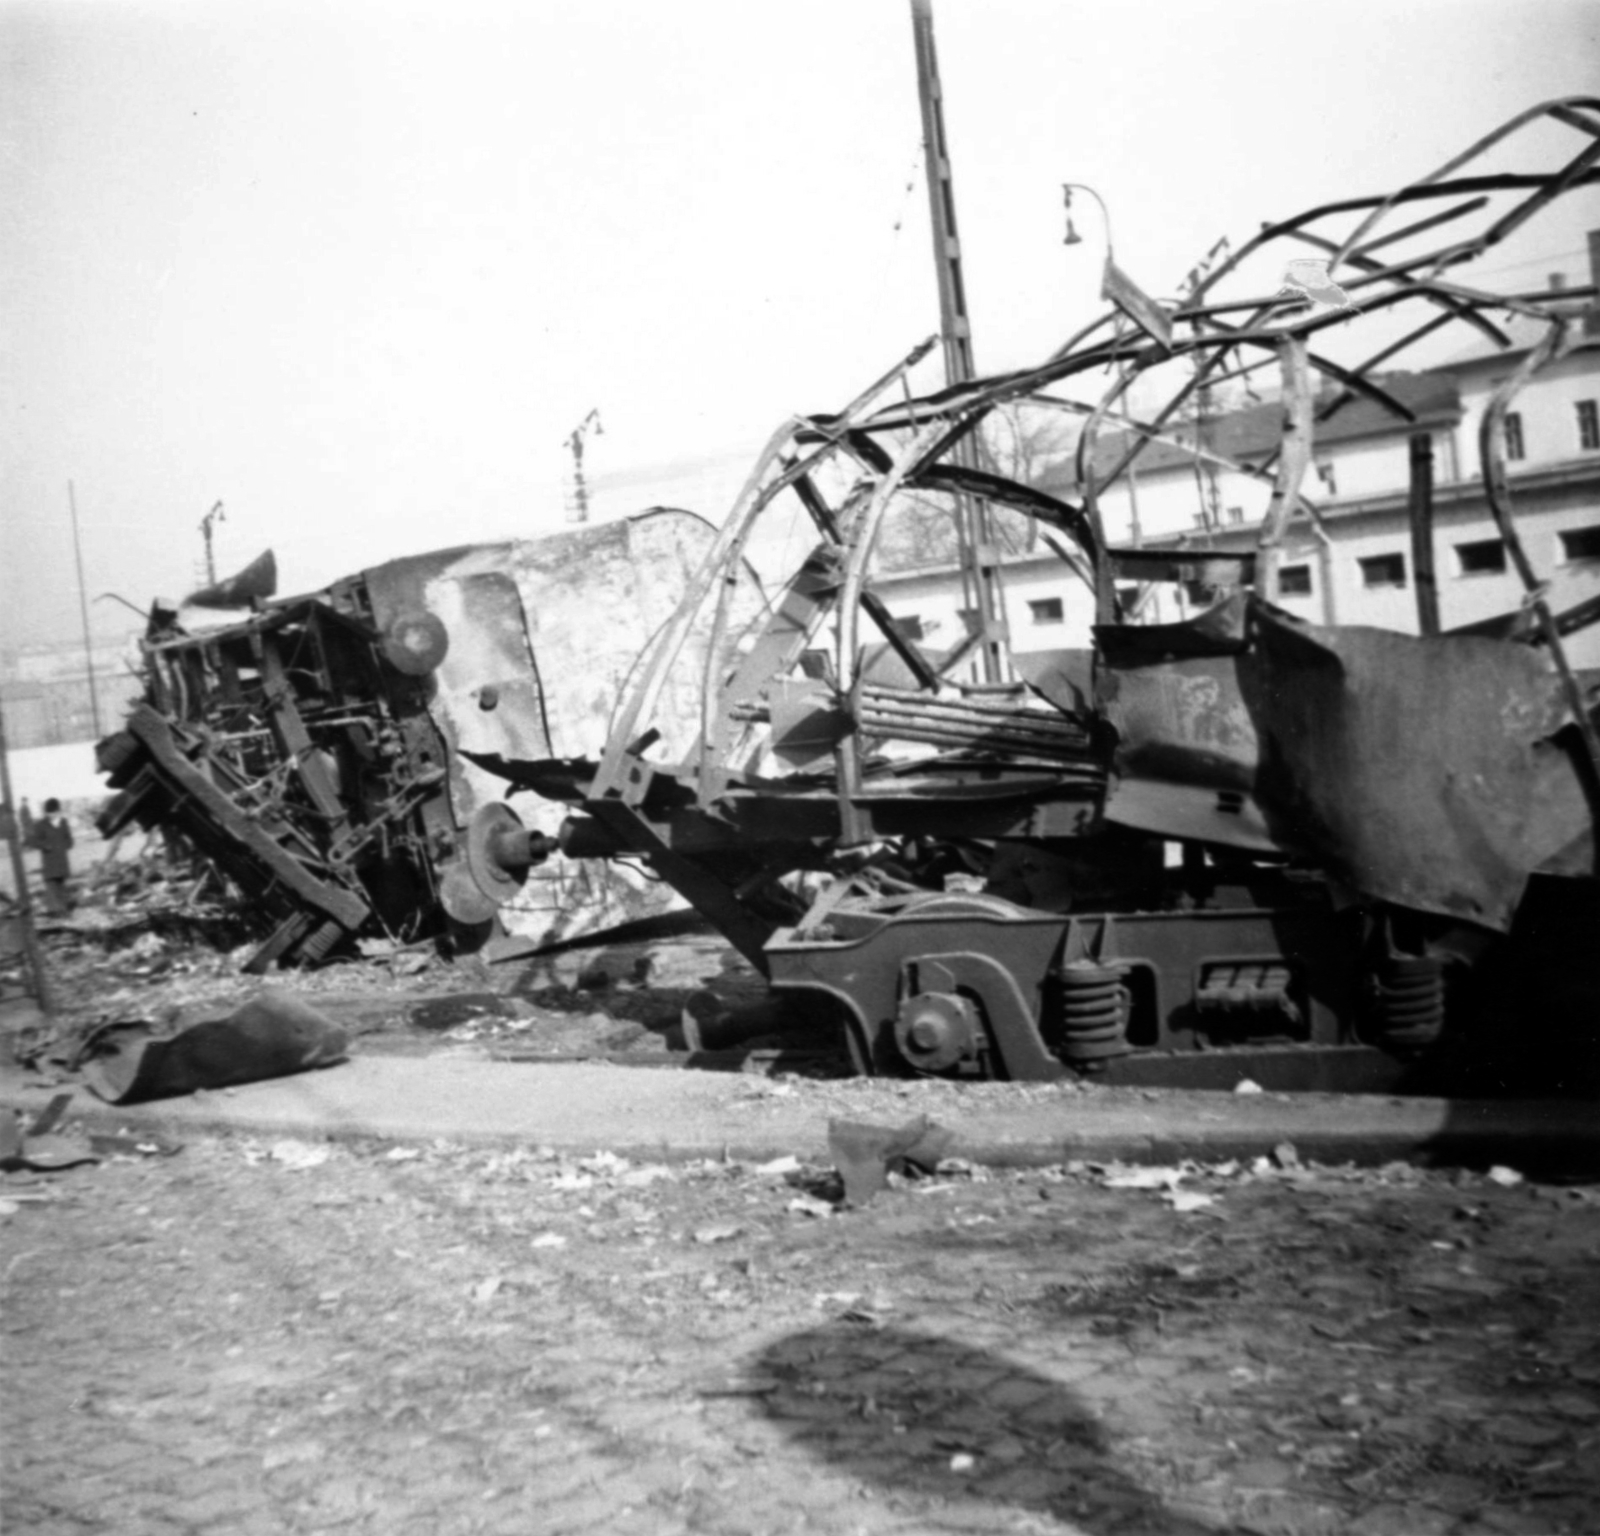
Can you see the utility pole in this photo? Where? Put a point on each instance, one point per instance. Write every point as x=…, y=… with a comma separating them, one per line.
x=575, y=441
x=980, y=576
x=83, y=609
x=19, y=872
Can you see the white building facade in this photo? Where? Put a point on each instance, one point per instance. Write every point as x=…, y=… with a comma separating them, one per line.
x=1354, y=563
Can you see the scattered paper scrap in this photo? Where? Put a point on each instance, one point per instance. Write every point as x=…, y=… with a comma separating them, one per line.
x=778, y=1167
x=1144, y=1178
x=298, y=1155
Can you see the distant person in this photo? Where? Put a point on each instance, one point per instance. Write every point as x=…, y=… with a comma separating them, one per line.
x=25, y=821
x=53, y=837
x=8, y=823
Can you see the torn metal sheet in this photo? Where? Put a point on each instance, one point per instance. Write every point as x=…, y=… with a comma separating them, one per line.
x=1438, y=776
x=1434, y=774
x=273, y=1035
x=866, y=1155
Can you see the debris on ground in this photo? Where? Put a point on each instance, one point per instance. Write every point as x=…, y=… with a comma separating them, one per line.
x=1316, y=1363
x=274, y=1035
x=866, y=1155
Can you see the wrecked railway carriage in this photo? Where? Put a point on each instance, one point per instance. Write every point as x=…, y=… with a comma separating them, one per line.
x=1241, y=843
x=314, y=751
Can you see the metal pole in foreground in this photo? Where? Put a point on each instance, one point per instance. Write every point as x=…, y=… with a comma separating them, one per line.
x=30, y=939
x=980, y=576
x=1421, y=510
x=83, y=608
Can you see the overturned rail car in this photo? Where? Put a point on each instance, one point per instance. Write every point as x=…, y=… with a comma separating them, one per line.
x=313, y=750
x=1237, y=844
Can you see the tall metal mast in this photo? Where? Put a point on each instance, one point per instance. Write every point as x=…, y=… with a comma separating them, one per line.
x=83, y=609
x=980, y=577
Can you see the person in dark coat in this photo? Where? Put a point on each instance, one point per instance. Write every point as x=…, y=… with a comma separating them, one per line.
x=53, y=837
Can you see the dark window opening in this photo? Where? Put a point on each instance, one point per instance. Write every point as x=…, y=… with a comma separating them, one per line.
x=1383, y=570
x=1515, y=448
x=1235, y=514
x=1483, y=557
x=1588, y=425
x=1046, y=610
x=1580, y=544
x=908, y=626
x=1294, y=581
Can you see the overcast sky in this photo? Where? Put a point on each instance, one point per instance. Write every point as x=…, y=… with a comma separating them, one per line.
x=356, y=270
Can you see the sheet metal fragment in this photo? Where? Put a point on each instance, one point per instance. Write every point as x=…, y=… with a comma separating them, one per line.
x=274, y=1035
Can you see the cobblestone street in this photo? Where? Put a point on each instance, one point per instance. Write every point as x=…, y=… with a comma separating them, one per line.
x=253, y=1337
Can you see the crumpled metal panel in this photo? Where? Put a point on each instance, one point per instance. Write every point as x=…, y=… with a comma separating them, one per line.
x=1416, y=771
x=490, y=697
x=1187, y=751
x=1420, y=771
x=546, y=633
x=595, y=598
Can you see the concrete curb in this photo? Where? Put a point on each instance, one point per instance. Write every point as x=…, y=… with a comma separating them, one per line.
x=677, y=1116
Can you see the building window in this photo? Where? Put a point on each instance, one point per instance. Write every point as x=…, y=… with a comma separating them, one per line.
x=1326, y=475
x=969, y=619
x=1046, y=610
x=1580, y=544
x=1588, y=425
x=908, y=626
x=1201, y=520
x=1294, y=581
x=1514, y=444
x=1383, y=571
x=1235, y=514
x=1128, y=598
x=1483, y=557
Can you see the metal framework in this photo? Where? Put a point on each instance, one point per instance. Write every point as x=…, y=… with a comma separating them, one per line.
x=980, y=875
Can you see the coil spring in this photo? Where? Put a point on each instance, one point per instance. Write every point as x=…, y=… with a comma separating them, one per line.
x=1094, y=1013
x=321, y=942
x=1410, y=1001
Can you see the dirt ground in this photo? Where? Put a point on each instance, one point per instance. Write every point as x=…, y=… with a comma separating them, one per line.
x=249, y=1337
x=257, y=1337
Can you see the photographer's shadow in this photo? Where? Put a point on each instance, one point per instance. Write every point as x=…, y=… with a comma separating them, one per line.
x=923, y=1415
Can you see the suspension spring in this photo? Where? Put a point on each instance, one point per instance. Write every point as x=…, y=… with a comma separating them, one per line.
x=320, y=944
x=1409, y=997
x=1094, y=1013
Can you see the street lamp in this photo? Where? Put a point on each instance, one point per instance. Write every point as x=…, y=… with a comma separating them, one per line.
x=1072, y=237
x=1108, y=290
